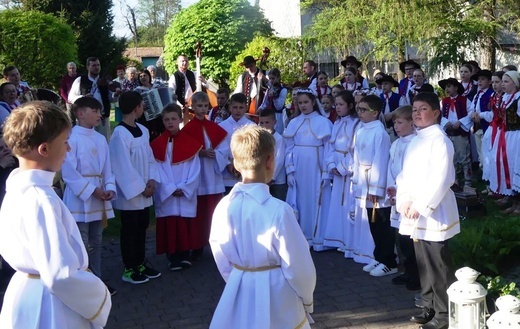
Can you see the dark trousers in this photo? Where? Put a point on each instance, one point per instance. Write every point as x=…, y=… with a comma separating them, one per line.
x=383, y=235
x=433, y=263
x=133, y=236
x=279, y=191
x=408, y=251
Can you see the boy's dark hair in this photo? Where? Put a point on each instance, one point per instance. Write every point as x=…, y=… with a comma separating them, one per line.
x=83, y=102
x=33, y=124
x=200, y=96
x=172, y=108
x=509, y=67
x=429, y=98
x=403, y=112
x=8, y=69
x=129, y=100
x=329, y=96
x=267, y=113
x=91, y=59
x=276, y=72
x=311, y=63
x=338, y=86
x=499, y=74
x=223, y=91
x=374, y=102
x=239, y=98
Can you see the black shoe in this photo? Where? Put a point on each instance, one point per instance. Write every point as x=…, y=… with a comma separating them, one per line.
x=425, y=317
x=413, y=285
x=111, y=290
x=435, y=324
x=196, y=254
x=175, y=266
x=148, y=272
x=401, y=279
x=185, y=264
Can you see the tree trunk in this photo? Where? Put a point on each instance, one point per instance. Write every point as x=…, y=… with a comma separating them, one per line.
x=488, y=55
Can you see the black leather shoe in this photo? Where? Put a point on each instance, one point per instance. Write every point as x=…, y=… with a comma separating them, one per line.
x=435, y=324
x=425, y=317
x=401, y=279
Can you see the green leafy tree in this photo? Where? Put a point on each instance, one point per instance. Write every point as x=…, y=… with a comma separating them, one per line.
x=92, y=22
x=222, y=26
x=155, y=16
x=39, y=44
x=286, y=54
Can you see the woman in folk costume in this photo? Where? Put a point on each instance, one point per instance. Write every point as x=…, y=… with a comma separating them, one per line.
x=505, y=179
x=350, y=81
x=496, y=121
x=306, y=140
x=465, y=72
x=339, y=231
x=351, y=61
x=175, y=197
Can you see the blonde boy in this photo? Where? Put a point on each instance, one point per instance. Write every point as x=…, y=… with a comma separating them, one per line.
x=259, y=247
x=52, y=287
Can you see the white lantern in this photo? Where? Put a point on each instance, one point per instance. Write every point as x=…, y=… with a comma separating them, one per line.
x=467, y=307
x=507, y=316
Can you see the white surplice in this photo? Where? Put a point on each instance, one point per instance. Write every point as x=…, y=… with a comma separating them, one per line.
x=253, y=230
x=425, y=180
x=306, y=139
x=371, y=153
x=279, y=158
x=339, y=232
x=211, y=180
x=87, y=167
x=395, y=165
x=230, y=125
x=38, y=236
x=133, y=164
x=184, y=176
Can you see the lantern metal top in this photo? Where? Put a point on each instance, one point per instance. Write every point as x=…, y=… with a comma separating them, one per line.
x=507, y=315
x=466, y=289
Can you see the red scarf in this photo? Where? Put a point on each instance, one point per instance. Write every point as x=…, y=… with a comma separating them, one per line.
x=184, y=147
x=196, y=128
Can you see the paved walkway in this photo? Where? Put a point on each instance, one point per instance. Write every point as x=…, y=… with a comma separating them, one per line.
x=345, y=296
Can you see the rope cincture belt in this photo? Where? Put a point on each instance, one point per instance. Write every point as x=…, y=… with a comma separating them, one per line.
x=256, y=269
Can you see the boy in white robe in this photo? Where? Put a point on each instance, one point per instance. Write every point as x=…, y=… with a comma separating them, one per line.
x=136, y=173
x=278, y=185
x=371, y=153
x=39, y=238
x=90, y=184
x=237, y=119
x=429, y=209
x=258, y=246
x=404, y=128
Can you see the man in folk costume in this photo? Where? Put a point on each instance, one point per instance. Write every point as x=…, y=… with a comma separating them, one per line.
x=310, y=69
x=175, y=197
x=407, y=67
x=92, y=85
x=213, y=161
x=183, y=80
x=391, y=101
x=252, y=83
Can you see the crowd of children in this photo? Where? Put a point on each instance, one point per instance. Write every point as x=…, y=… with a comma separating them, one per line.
x=351, y=166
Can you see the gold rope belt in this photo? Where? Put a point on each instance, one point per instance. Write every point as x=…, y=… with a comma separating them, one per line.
x=255, y=269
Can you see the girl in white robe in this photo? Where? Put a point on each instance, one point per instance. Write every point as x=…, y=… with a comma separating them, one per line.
x=306, y=139
x=339, y=232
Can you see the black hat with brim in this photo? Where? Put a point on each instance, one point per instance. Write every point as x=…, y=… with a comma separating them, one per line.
x=482, y=73
x=248, y=60
x=453, y=82
x=409, y=62
x=387, y=78
x=351, y=59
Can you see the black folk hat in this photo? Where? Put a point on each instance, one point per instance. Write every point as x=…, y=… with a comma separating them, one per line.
x=402, y=65
x=482, y=73
x=387, y=78
x=248, y=61
x=351, y=59
x=453, y=82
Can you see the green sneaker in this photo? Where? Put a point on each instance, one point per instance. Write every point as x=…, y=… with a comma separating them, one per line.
x=132, y=276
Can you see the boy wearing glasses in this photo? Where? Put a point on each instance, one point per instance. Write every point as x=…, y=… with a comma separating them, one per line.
x=374, y=237
x=429, y=215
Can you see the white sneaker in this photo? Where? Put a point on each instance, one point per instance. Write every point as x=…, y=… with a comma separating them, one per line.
x=370, y=266
x=382, y=270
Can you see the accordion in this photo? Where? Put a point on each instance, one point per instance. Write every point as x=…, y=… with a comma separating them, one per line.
x=155, y=100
